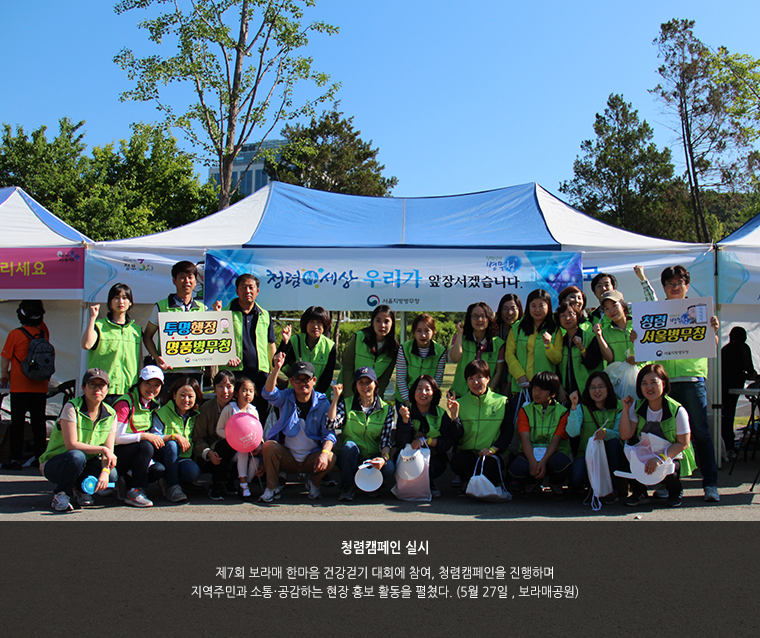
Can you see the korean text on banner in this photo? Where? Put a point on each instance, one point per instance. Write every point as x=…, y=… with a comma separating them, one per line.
x=192, y=339
x=674, y=329
x=41, y=268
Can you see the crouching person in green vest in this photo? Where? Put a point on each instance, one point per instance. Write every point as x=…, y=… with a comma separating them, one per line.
x=367, y=424
x=544, y=447
x=174, y=423
x=655, y=412
x=81, y=444
x=481, y=426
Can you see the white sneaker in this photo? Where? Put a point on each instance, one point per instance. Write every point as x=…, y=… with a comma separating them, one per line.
x=136, y=498
x=314, y=492
x=269, y=495
x=62, y=503
x=711, y=494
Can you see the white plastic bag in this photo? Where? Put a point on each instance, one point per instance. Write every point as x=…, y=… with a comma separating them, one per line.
x=598, y=472
x=481, y=488
x=623, y=377
x=417, y=489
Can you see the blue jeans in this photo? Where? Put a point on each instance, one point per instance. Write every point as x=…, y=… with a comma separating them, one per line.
x=177, y=469
x=693, y=397
x=69, y=469
x=348, y=462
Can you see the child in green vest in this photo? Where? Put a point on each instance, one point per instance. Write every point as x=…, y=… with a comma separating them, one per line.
x=373, y=347
x=545, y=455
x=656, y=413
x=476, y=340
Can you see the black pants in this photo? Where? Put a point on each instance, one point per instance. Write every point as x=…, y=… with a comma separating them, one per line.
x=219, y=472
x=34, y=403
x=137, y=457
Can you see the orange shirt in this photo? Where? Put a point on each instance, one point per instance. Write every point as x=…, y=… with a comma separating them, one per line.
x=15, y=349
x=523, y=425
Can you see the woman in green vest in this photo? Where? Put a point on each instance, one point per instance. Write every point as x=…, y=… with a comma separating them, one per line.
x=366, y=423
x=174, y=423
x=577, y=298
x=426, y=423
x=507, y=317
x=580, y=350
x=544, y=455
x=420, y=355
x=312, y=345
x=481, y=426
x=113, y=342
x=596, y=414
x=476, y=340
x=530, y=348
x=655, y=412
x=615, y=336
x=81, y=444
x=373, y=347
x=135, y=444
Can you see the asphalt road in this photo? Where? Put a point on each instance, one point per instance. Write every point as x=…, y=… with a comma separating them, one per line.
x=26, y=495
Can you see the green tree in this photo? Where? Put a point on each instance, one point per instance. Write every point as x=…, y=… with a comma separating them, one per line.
x=622, y=178
x=240, y=59
x=329, y=155
x=697, y=102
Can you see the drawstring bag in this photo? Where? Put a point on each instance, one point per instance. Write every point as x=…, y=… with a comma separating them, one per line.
x=482, y=489
x=598, y=473
x=417, y=489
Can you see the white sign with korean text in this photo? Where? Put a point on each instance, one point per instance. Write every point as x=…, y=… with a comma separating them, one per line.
x=194, y=339
x=674, y=329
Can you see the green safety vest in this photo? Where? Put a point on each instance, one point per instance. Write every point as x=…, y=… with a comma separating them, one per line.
x=481, y=419
x=416, y=366
x=433, y=420
x=685, y=368
x=365, y=430
x=365, y=359
x=118, y=353
x=175, y=424
x=589, y=426
x=88, y=432
x=469, y=349
x=580, y=372
x=668, y=425
x=543, y=425
x=318, y=357
x=141, y=418
x=163, y=306
x=262, y=338
x=541, y=362
x=618, y=340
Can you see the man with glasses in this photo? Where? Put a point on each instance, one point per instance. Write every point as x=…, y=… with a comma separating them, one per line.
x=687, y=383
x=299, y=441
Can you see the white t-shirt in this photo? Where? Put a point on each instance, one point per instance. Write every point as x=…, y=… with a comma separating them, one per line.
x=682, y=418
x=300, y=445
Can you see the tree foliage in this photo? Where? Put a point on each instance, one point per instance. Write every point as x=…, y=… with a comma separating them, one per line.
x=240, y=57
x=623, y=179
x=698, y=104
x=145, y=185
x=329, y=155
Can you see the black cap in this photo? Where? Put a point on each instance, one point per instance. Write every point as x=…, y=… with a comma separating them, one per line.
x=301, y=367
x=365, y=372
x=95, y=373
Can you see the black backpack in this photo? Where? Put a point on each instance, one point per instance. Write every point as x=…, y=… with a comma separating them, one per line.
x=39, y=364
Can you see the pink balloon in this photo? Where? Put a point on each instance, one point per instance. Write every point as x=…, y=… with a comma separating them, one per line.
x=243, y=432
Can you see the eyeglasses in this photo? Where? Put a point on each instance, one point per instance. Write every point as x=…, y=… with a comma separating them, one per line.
x=680, y=283
x=97, y=386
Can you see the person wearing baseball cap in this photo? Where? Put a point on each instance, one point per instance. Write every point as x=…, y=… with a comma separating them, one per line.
x=300, y=441
x=367, y=429
x=135, y=445
x=81, y=444
x=616, y=336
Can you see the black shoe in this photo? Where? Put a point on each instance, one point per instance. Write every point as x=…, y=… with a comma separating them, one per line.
x=229, y=487
x=328, y=481
x=195, y=486
x=674, y=500
x=637, y=499
x=216, y=492
x=13, y=465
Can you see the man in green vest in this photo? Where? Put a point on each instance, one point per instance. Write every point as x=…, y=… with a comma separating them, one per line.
x=254, y=338
x=687, y=382
x=184, y=276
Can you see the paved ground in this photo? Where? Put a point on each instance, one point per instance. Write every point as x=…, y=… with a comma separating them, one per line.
x=26, y=495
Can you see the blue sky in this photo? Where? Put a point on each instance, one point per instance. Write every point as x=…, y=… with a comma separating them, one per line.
x=458, y=96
